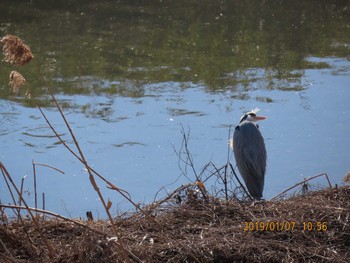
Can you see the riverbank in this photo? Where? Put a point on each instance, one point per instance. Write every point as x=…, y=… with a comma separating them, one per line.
x=308, y=228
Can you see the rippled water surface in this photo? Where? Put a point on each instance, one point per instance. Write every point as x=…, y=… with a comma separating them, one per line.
x=131, y=75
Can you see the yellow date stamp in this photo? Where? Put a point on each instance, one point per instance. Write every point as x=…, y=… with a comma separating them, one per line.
x=285, y=226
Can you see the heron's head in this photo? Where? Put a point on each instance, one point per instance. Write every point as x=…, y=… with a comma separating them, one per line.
x=252, y=116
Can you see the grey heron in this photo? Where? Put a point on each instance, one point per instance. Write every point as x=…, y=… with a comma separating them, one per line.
x=250, y=153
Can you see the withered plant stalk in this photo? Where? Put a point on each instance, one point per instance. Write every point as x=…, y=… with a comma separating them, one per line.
x=34, y=218
x=34, y=164
x=11, y=193
x=43, y=211
x=303, y=182
x=82, y=159
x=35, y=192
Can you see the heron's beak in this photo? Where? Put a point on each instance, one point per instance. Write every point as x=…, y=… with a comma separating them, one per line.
x=259, y=118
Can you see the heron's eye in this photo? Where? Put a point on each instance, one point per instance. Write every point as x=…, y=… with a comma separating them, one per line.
x=244, y=117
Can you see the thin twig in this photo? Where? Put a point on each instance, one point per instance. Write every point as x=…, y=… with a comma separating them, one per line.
x=155, y=205
x=49, y=166
x=35, y=193
x=246, y=192
x=35, y=221
x=187, y=151
x=35, y=185
x=22, y=185
x=52, y=214
x=10, y=190
x=93, y=181
x=302, y=182
x=217, y=170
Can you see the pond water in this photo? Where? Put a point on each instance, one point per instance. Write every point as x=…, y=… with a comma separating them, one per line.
x=130, y=74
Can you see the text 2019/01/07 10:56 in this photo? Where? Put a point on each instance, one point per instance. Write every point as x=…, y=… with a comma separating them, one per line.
x=285, y=226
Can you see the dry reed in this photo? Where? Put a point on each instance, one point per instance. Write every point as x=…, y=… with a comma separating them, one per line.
x=15, y=50
x=16, y=81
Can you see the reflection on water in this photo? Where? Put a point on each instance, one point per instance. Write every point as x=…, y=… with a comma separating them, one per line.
x=154, y=41
x=128, y=75
x=129, y=144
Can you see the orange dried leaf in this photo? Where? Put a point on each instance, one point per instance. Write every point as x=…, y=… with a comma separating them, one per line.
x=109, y=204
x=201, y=186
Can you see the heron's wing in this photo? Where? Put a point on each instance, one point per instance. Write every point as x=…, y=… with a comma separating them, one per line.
x=250, y=155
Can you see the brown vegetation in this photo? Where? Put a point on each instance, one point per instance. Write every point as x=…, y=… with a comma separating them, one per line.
x=195, y=231
x=15, y=50
x=16, y=81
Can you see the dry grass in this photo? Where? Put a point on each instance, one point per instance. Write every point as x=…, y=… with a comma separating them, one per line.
x=211, y=232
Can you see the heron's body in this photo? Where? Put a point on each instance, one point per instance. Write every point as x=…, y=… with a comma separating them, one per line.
x=250, y=154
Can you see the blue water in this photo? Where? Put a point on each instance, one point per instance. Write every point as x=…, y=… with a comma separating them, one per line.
x=306, y=133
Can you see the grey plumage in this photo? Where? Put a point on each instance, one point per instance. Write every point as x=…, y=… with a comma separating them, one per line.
x=250, y=153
